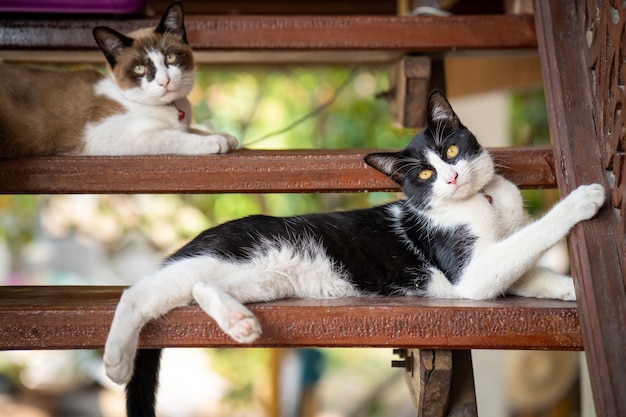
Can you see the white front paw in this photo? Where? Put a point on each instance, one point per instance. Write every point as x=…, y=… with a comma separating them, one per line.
x=587, y=200
x=225, y=142
x=231, y=142
x=119, y=362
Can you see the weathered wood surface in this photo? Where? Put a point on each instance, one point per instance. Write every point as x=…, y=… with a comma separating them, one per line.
x=581, y=45
x=273, y=33
x=79, y=317
x=243, y=171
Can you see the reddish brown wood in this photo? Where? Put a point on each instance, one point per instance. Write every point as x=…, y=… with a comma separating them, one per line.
x=242, y=171
x=578, y=109
x=295, y=32
x=79, y=317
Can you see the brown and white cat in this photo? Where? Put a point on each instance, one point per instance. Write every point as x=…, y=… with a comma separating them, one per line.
x=140, y=107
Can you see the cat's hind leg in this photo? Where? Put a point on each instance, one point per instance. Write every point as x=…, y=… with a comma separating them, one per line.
x=223, y=300
x=148, y=299
x=544, y=283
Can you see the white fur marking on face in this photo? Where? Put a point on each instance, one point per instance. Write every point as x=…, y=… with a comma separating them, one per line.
x=162, y=76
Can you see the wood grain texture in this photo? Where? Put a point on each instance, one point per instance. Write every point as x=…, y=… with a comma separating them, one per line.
x=79, y=317
x=597, y=246
x=294, y=32
x=243, y=171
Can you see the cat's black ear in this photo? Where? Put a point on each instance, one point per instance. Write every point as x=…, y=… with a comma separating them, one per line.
x=173, y=21
x=111, y=42
x=387, y=163
x=440, y=113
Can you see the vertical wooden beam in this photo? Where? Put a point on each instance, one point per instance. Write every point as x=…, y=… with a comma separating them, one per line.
x=565, y=30
x=441, y=382
x=412, y=80
x=462, y=391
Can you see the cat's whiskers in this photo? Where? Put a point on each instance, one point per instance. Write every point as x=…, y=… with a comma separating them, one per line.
x=498, y=162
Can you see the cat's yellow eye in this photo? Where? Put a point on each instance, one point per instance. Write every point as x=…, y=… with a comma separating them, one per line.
x=452, y=151
x=170, y=58
x=425, y=174
x=140, y=69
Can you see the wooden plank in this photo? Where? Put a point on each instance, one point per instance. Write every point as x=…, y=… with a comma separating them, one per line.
x=597, y=246
x=214, y=57
x=404, y=33
x=244, y=171
x=79, y=317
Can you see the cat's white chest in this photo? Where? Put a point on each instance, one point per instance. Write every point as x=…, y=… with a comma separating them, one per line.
x=490, y=215
x=477, y=213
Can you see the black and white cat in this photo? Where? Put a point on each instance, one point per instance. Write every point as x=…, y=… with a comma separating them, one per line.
x=140, y=107
x=461, y=232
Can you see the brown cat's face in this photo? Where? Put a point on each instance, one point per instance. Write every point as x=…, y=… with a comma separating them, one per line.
x=151, y=66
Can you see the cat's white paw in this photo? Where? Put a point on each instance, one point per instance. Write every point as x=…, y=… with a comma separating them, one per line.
x=231, y=142
x=587, y=200
x=209, y=144
x=224, y=142
x=564, y=290
x=118, y=362
x=243, y=326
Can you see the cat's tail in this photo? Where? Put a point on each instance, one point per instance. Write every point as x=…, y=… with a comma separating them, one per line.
x=141, y=390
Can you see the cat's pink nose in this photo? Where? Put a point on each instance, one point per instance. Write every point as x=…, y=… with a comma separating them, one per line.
x=164, y=82
x=452, y=179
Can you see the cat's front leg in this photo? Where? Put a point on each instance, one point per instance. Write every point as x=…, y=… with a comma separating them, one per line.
x=544, y=283
x=215, y=142
x=498, y=265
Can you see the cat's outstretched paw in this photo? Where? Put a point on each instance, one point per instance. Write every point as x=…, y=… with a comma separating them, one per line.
x=118, y=363
x=587, y=200
x=243, y=326
x=231, y=142
x=209, y=144
x=224, y=142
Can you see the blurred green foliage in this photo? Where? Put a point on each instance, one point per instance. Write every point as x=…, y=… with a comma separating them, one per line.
x=254, y=102
x=529, y=127
x=529, y=120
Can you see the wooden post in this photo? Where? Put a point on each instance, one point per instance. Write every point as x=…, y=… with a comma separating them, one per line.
x=411, y=81
x=441, y=382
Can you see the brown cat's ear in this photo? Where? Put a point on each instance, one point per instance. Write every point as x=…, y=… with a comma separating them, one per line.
x=173, y=21
x=111, y=43
x=387, y=163
x=440, y=113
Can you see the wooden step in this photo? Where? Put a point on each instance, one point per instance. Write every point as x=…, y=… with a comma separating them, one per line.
x=245, y=171
x=415, y=33
x=79, y=317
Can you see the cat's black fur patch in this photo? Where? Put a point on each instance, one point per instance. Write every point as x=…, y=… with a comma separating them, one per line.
x=362, y=244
